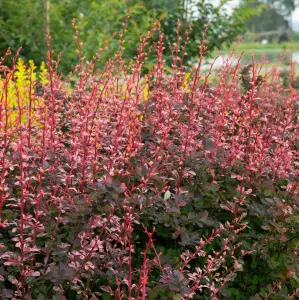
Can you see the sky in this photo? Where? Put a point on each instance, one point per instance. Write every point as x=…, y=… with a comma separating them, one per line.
x=295, y=16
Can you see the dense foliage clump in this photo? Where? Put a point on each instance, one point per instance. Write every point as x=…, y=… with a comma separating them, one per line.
x=176, y=185
x=99, y=20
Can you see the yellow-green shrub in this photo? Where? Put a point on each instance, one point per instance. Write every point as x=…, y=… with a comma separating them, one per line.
x=17, y=91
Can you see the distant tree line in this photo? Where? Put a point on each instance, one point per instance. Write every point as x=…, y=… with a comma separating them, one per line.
x=270, y=14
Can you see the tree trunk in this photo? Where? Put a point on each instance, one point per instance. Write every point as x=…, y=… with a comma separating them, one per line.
x=47, y=17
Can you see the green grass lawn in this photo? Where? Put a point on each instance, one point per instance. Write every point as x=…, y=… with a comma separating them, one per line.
x=273, y=52
x=260, y=47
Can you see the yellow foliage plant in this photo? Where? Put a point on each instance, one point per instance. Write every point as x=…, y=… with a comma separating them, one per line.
x=17, y=92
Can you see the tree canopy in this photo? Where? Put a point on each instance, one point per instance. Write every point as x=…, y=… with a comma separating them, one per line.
x=25, y=23
x=283, y=7
x=266, y=19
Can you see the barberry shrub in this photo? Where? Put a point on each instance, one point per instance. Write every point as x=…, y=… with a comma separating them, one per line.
x=177, y=184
